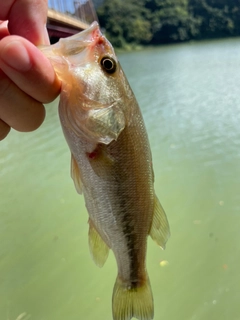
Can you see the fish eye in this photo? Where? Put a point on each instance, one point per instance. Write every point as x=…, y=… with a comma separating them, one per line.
x=108, y=64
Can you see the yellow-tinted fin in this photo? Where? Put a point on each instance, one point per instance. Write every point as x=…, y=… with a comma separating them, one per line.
x=160, y=231
x=75, y=174
x=98, y=248
x=132, y=302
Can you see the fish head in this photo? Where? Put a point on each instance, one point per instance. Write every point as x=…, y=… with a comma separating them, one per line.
x=94, y=87
x=87, y=60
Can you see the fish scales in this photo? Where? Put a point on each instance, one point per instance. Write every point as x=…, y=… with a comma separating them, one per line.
x=111, y=164
x=126, y=188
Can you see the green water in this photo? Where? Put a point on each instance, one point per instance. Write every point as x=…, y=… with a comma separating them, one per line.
x=190, y=99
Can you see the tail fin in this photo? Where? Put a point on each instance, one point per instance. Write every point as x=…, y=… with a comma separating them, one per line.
x=132, y=302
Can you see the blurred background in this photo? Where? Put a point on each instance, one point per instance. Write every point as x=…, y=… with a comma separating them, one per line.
x=185, y=73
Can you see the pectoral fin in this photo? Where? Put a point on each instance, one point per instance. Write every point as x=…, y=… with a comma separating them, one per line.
x=75, y=174
x=160, y=231
x=98, y=248
x=101, y=161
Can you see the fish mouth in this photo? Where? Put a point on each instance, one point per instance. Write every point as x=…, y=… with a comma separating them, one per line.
x=87, y=36
x=78, y=42
x=72, y=50
x=88, y=45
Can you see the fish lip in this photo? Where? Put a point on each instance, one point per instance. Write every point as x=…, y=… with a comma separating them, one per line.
x=74, y=45
x=88, y=36
x=87, y=32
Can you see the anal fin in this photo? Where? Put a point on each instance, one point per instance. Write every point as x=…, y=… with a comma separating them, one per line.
x=75, y=174
x=160, y=231
x=98, y=248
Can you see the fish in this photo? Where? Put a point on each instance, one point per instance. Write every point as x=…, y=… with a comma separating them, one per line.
x=111, y=164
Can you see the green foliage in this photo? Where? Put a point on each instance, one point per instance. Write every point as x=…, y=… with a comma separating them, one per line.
x=215, y=16
x=163, y=21
x=125, y=22
x=172, y=21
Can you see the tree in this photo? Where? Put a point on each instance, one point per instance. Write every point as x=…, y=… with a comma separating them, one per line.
x=164, y=21
x=171, y=21
x=216, y=20
x=125, y=22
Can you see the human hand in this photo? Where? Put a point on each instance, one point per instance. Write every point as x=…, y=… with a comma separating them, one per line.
x=27, y=78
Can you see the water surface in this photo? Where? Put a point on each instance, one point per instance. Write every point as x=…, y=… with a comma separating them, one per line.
x=189, y=96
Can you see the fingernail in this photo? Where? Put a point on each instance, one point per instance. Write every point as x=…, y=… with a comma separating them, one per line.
x=16, y=56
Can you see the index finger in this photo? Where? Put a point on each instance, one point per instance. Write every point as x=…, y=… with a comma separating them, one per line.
x=27, y=18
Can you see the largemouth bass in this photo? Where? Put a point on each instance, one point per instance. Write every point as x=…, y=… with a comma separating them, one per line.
x=111, y=164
